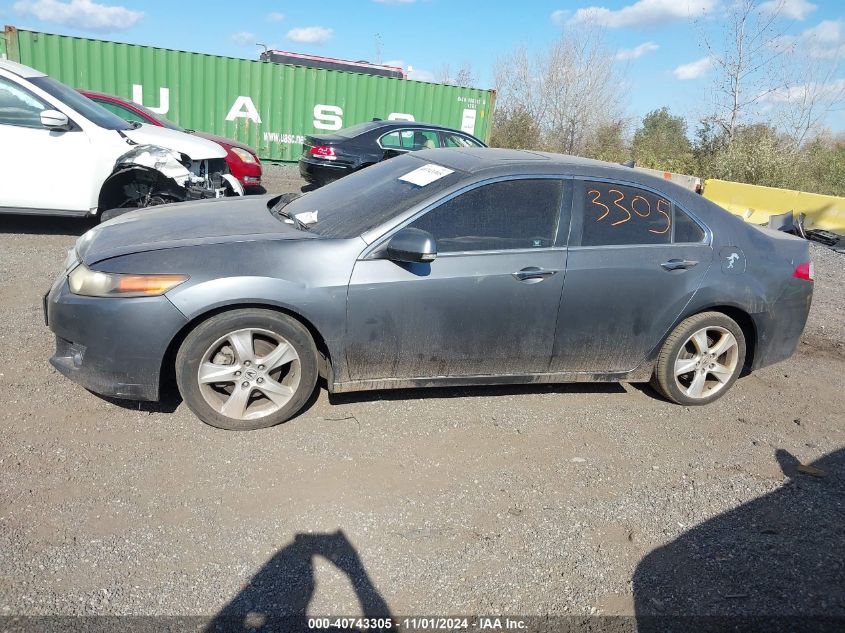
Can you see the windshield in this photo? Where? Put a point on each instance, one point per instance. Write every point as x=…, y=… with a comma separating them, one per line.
x=354, y=130
x=165, y=122
x=361, y=201
x=81, y=104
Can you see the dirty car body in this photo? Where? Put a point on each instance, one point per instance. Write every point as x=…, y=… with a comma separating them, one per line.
x=543, y=288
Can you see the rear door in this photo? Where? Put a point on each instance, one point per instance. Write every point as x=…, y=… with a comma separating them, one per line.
x=487, y=305
x=635, y=261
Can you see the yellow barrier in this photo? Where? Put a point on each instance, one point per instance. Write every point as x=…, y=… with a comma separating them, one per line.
x=756, y=204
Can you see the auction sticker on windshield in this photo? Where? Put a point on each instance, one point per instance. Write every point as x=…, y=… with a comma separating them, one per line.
x=426, y=174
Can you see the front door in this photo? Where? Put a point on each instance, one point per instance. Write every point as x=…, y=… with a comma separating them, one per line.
x=488, y=303
x=639, y=261
x=40, y=168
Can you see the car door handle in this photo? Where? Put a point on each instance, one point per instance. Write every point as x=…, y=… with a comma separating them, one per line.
x=678, y=264
x=533, y=274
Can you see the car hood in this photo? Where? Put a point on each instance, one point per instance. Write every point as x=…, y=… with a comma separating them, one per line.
x=194, y=146
x=214, y=221
x=224, y=141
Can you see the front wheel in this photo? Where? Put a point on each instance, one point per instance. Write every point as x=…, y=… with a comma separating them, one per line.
x=247, y=369
x=701, y=359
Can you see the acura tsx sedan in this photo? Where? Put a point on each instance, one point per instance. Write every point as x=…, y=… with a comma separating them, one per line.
x=441, y=267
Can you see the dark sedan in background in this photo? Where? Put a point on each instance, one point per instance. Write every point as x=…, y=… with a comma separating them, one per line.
x=327, y=157
x=443, y=267
x=242, y=159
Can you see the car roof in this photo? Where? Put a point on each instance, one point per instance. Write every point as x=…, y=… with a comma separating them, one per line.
x=369, y=126
x=19, y=69
x=481, y=162
x=497, y=161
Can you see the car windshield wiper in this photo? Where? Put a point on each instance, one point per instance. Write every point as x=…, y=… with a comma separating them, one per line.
x=278, y=210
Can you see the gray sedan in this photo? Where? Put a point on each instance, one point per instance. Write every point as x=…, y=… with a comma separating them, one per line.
x=444, y=267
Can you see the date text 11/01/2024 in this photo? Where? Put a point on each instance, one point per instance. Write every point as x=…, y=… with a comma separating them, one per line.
x=492, y=623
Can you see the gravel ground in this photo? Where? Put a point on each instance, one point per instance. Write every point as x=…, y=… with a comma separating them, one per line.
x=570, y=499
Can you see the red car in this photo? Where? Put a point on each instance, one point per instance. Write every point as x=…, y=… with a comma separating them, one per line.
x=242, y=160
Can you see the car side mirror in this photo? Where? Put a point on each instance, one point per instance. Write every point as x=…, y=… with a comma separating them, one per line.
x=390, y=153
x=411, y=245
x=55, y=120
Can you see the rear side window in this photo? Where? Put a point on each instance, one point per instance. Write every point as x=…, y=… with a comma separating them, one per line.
x=617, y=215
x=513, y=214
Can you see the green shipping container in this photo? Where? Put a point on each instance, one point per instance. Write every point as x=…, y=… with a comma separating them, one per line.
x=266, y=105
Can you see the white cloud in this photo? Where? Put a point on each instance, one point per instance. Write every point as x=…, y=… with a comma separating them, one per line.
x=559, y=16
x=418, y=74
x=413, y=73
x=310, y=35
x=794, y=9
x=243, y=38
x=834, y=90
x=643, y=13
x=826, y=40
x=693, y=70
x=81, y=14
x=275, y=16
x=637, y=51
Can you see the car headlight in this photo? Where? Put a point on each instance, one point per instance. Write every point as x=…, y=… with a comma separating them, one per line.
x=93, y=283
x=244, y=155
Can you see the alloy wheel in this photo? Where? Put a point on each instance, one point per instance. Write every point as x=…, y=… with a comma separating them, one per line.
x=249, y=373
x=706, y=362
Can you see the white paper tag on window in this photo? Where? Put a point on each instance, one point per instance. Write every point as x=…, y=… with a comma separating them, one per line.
x=426, y=174
x=307, y=217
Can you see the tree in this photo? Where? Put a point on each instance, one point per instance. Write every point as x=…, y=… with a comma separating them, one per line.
x=752, y=41
x=514, y=128
x=608, y=143
x=464, y=76
x=568, y=91
x=758, y=155
x=661, y=142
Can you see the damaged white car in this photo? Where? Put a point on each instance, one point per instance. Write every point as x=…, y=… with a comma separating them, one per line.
x=66, y=155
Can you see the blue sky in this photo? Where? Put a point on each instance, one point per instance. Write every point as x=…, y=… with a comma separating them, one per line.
x=656, y=39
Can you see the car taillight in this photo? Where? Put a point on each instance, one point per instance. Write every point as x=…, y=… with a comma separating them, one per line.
x=804, y=271
x=323, y=151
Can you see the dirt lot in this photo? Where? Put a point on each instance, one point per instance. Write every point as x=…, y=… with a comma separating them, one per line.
x=577, y=499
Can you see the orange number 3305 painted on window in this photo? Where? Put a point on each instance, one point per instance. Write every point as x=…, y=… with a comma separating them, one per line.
x=639, y=204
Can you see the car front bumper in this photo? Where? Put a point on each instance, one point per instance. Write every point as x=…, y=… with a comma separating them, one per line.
x=111, y=346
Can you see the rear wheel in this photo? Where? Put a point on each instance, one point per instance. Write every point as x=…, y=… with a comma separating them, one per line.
x=701, y=359
x=247, y=369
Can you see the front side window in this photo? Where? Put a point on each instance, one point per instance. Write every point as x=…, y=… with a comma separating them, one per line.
x=19, y=106
x=617, y=215
x=512, y=214
x=79, y=103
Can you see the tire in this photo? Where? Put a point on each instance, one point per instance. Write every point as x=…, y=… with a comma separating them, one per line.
x=708, y=350
x=222, y=378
